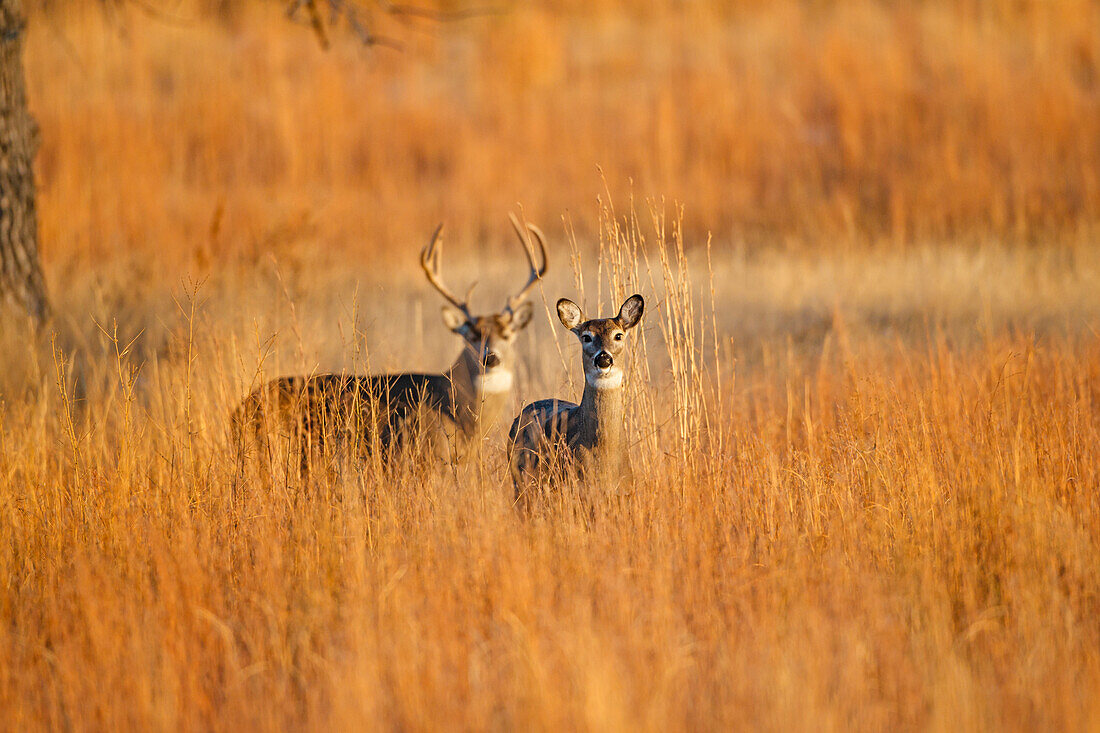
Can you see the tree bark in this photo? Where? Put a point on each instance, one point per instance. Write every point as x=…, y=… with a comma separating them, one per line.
x=21, y=283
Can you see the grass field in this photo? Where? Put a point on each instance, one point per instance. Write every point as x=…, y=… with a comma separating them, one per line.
x=866, y=402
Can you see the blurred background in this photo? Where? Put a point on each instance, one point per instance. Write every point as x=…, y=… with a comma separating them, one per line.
x=913, y=153
x=203, y=132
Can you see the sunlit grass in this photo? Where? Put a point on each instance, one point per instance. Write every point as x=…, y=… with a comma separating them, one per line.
x=864, y=407
x=878, y=525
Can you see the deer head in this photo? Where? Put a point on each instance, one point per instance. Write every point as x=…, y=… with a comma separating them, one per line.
x=489, y=340
x=603, y=340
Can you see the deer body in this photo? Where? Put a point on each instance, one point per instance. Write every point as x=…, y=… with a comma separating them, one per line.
x=447, y=413
x=589, y=434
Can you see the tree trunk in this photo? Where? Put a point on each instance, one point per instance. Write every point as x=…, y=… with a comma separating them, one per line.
x=21, y=282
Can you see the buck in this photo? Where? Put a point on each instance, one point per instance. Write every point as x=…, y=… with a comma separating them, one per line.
x=447, y=414
x=591, y=433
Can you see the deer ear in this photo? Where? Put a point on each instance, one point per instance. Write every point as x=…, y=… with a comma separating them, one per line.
x=521, y=316
x=631, y=312
x=455, y=319
x=569, y=313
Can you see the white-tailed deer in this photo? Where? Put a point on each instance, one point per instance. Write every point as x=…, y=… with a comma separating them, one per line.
x=445, y=413
x=591, y=433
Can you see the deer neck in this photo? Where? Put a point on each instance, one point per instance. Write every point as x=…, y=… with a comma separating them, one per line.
x=477, y=400
x=601, y=423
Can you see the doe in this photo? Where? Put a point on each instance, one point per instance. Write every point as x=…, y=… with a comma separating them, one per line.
x=591, y=433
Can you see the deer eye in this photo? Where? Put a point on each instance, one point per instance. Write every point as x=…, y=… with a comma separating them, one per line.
x=619, y=336
x=586, y=338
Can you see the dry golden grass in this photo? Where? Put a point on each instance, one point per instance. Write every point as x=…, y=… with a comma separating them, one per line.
x=817, y=123
x=867, y=414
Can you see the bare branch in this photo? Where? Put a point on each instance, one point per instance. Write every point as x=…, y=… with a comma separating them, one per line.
x=358, y=17
x=317, y=23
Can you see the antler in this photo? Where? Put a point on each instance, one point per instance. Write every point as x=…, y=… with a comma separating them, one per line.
x=537, y=271
x=429, y=260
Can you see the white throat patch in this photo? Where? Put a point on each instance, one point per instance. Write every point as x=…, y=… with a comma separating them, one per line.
x=612, y=379
x=493, y=382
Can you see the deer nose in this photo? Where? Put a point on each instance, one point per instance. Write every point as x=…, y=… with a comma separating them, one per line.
x=604, y=360
x=491, y=360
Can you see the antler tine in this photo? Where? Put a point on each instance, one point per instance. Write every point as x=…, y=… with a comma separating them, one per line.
x=537, y=271
x=430, y=262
